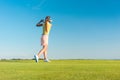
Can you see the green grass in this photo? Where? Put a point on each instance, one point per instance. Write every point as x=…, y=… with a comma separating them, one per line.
x=60, y=70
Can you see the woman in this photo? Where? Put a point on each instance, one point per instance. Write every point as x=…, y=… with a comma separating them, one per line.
x=44, y=39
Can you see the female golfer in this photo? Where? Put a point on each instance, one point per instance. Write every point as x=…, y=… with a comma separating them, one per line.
x=46, y=25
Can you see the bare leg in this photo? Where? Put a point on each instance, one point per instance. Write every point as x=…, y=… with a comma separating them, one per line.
x=42, y=50
x=45, y=54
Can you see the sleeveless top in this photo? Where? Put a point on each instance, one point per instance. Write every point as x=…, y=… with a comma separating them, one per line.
x=48, y=26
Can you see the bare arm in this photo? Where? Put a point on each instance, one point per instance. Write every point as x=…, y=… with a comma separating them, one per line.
x=39, y=23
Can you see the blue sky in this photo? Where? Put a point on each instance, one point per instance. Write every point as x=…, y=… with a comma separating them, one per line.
x=82, y=29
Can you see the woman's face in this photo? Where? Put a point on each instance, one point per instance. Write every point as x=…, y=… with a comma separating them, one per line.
x=47, y=18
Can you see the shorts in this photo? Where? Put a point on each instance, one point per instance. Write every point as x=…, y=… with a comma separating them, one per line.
x=44, y=40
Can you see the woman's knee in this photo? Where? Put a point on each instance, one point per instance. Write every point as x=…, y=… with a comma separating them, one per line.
x=45, y=46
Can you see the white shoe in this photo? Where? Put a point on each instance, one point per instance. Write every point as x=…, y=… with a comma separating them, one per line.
x=46, y=60
x=36, y=58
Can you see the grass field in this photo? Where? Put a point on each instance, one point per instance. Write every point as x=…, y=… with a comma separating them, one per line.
x=60, y=70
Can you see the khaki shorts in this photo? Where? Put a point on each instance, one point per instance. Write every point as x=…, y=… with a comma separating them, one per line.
x=44, y=40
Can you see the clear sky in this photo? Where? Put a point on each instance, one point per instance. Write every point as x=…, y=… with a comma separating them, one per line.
x=82, y=29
